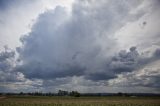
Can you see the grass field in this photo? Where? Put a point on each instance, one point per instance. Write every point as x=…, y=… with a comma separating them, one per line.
x=78, y=101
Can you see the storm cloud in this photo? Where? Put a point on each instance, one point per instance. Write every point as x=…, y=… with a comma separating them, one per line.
x=98, y=44
x=76, y=45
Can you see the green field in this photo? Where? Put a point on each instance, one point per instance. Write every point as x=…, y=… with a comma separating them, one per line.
x=78, y=101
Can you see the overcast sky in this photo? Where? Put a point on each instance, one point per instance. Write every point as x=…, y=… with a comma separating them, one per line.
x=83, y=45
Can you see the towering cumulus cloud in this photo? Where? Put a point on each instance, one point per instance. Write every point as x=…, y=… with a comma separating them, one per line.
x=76, y=44
x=92, y=46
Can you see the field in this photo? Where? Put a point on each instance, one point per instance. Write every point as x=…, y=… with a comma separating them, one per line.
x=78, y=101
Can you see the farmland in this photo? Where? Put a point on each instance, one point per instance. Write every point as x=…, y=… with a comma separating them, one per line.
x=78, y=101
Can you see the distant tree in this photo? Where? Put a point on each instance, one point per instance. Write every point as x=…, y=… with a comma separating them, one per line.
x=21, y=93
x=120, y=94
x=75, y=94
x=62, y=93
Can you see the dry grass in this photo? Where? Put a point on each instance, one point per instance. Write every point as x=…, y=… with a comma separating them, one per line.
x=81, y=101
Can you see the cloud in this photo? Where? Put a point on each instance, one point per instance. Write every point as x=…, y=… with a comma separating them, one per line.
x=147, y=76
x=5, y=57
x=123, y=62
x=7, y=64
x=76, y=45
x=146, y=28
x=87, y=48
x=11, y=80
x=17, y=17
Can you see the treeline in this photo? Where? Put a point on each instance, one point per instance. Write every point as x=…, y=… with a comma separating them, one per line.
x=59, y=93
x=77, y=94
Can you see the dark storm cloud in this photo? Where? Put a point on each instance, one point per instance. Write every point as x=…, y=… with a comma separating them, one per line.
x=45, y=72
x=81, y=43
x=124, y=61
x=53, y=57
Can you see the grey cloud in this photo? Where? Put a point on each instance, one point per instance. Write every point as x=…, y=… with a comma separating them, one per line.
x=135, y=60
x=146, y=77
x=145, y=74
x=78, y=44
x=124, y=62
x=7, y=73
x=49, y=72
x=5, y=57
x=157, y=53
x=72, y=83
x=11, y=77
x=79, y=50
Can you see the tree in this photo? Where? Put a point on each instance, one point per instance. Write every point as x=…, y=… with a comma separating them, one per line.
x=75, y=94
x=62, y=93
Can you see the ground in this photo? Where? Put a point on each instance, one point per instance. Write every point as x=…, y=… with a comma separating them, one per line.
x=78, y=101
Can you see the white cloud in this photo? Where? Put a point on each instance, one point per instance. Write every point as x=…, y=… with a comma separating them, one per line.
x=142, y=32
x=17, y=19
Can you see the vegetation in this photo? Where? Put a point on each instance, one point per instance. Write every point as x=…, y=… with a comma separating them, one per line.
x=21, y=100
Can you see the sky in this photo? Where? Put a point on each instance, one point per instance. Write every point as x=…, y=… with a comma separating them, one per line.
x=90, y=46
